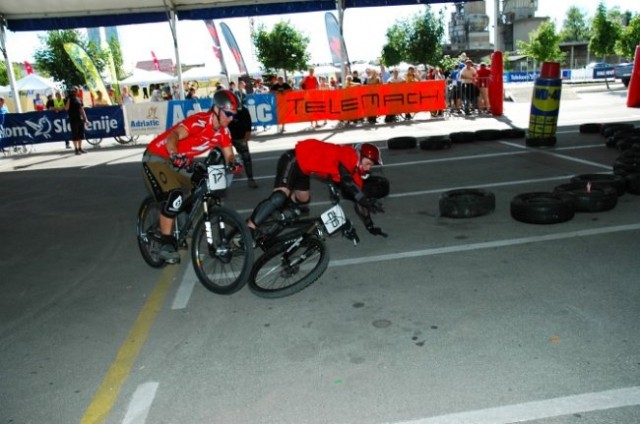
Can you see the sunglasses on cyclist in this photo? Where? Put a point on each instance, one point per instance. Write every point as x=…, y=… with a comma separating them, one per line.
x=228, y=113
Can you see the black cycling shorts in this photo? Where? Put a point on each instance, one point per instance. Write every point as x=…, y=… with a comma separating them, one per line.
x=289, y=175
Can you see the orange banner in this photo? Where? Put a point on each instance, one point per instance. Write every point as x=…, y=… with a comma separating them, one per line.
x=352, y=103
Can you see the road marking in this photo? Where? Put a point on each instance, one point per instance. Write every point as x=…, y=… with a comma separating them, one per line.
x=560, y=156
x=485, y=245
x=537, y=410
x=141, y=403
x=183, y=294
x=108, y=392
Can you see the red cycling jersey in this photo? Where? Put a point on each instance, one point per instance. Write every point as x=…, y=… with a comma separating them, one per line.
x=202, y=137
x=322, y=159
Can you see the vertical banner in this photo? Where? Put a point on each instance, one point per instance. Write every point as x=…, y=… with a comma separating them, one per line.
x=156, y=64
x=217, y=49
x=85, y=65
x=28, y=68
x=235, y=50
x=112, y=72
x=336, y=41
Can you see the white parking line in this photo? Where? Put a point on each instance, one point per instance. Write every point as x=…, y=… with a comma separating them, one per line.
x=183, y=294
x=485, y=245
x=559, y=156
x=537, y=410
x=140, y=403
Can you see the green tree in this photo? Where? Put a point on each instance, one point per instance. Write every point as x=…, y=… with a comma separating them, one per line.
x=575, y=26
x=543, y=45
x=52, y=59
x=629, y=39
x=283, y=48
x=418, y=39
x=4, y=75
x=604, y=35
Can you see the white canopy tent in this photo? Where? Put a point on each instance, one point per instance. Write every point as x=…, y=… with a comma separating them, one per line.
x=203, y=73
x=36, y=83
x=144, y=77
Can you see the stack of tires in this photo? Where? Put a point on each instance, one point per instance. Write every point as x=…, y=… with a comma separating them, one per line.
x=618, y=135
x=440, y=142
x=583, y=193
x=627, y=166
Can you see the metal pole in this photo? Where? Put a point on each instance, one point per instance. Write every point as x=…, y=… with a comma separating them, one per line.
x=496, y=25
x=7, y=61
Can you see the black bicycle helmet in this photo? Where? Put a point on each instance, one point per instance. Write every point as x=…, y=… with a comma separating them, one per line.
x=225, y=100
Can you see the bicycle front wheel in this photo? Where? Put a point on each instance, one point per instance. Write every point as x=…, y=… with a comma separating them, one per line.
x=148, y=231
x=283, y=270
x=223, y=262
x=94, y=141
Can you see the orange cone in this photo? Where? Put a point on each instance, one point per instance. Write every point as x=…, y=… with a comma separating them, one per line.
x=633, y=94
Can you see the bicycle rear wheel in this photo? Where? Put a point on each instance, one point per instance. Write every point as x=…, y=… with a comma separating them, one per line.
x=94, y=141
x=123, y=139
x=284, y=270
x=224, y=266
x=148, y=231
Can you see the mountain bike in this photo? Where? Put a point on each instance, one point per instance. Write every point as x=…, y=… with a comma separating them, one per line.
x=219, y=235
x=295, y=254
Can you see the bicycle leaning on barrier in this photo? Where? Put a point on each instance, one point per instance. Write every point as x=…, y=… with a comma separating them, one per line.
x=221, y=264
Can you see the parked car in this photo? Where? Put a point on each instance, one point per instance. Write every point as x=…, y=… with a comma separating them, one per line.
x=623, y=72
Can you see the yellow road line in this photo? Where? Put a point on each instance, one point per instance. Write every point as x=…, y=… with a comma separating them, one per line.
x=108, y=392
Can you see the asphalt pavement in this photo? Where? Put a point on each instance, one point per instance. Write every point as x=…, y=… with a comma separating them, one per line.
x=478, y=320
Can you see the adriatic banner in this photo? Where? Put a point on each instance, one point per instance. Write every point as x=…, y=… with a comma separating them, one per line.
x=46, y=126
x=361, y=101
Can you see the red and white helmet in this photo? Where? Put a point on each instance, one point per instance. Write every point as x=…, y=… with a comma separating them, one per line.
x=371, y=151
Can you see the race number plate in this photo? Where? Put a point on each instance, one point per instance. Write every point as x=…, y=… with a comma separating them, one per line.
x=217, y=177
x=333, y=219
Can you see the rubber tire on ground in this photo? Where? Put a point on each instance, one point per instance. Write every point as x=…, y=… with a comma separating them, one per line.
x=436, y=142
x=488, y=135
x=609, y=129
x=148, y=222
x=466, y=203
x=596, y=199
x=462, y=137
x=275, y=252
x=541, y=142
x=376, y=186
x=624, y=166
x=406, y=142
x=590, y=128
x=627, y=143
x=199, y=241
x=513, y=133
x=542, y=208
x=633, y=183
x=616, y=181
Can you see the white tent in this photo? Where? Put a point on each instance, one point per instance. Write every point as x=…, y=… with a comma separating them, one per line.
x=143, y=77
x=326, y=70
x=203, y=73
x=33, y=82
x=5, y=89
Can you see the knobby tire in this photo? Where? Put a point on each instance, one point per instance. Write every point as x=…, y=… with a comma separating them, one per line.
x=227, y=270
x=271, y=278
x=148, y=232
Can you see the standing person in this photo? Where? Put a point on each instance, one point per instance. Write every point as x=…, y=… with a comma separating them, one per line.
x=280, y=86
x=394, y=78
x=57, y=104
x=49, y=103
x=342, y=164
x=373, y=79
x=125, y=96
x=468, y=78
x=310, y=82
x=3, y=111
x=100, y=100
x=166, y=157
x=484, y=75
x=38, y=104
x=77, y=119
x=240, y=129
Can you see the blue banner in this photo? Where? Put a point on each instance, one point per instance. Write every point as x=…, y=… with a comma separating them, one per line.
x=47, y=126
x=607, y=72
x=262, y=108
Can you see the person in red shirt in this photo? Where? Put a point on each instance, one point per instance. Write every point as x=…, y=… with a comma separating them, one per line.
x=168, y=155
x=343, y=164
x=310, y=82
x=484, y=75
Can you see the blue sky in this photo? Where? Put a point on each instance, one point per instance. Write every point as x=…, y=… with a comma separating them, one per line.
x=364, y=31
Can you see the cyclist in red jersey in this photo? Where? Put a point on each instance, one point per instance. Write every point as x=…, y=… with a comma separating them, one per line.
x=166, y=157
x=343, y=164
